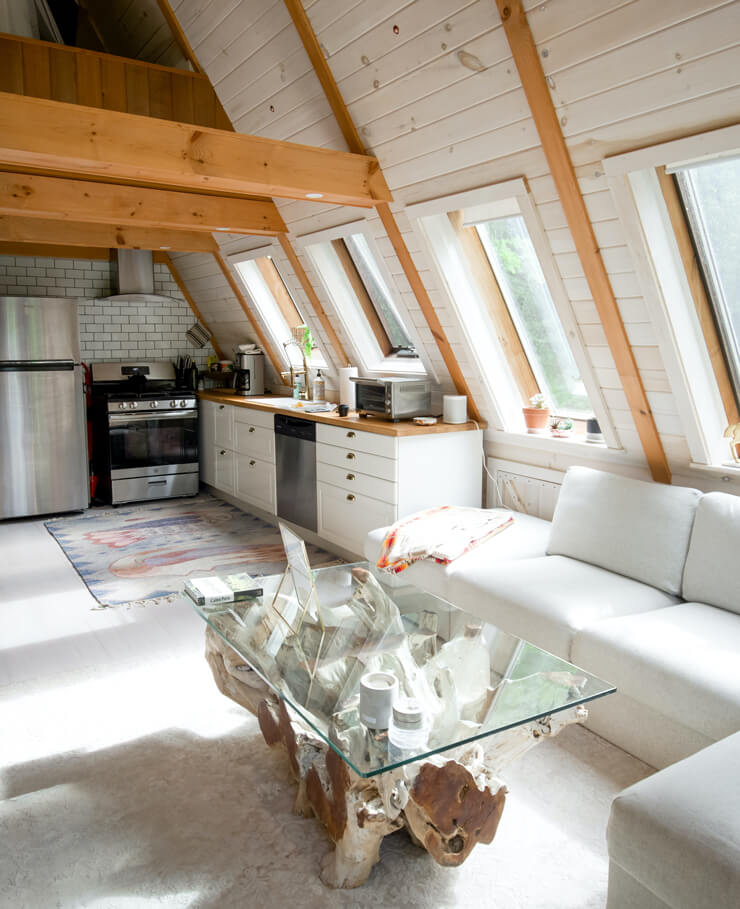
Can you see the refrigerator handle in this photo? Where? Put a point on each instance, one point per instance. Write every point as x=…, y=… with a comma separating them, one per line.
x=37, y=366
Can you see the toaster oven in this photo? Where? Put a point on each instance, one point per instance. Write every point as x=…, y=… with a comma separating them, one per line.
x=393, y=397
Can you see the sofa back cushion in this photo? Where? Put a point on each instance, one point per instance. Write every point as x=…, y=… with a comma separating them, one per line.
x=633, y=528
x=712, y=572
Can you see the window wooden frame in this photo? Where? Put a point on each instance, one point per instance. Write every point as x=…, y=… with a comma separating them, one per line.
x=279, y=291
x=363, y=297
x=699, y=295
x=491, y=294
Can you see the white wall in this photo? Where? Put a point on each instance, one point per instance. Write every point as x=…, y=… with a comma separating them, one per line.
x=109, y=329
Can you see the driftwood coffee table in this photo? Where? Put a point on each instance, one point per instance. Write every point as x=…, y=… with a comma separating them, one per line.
x=481, y=698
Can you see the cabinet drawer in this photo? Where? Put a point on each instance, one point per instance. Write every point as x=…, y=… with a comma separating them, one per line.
x=255, y=482
x=255, y=441
x=357, y=440
x=223, y=417
x=254, y=416
x=224, y=469
x=346, y=518
x=351, y=481
x=357, y=461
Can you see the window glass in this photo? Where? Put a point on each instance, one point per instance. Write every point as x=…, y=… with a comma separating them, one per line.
x=514, y=262
x=711, y=196
x=380, y=296
x=277, y=307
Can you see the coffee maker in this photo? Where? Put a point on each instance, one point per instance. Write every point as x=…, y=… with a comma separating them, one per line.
x=249, y=373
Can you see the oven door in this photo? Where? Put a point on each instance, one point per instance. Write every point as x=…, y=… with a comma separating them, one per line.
x=151, y=444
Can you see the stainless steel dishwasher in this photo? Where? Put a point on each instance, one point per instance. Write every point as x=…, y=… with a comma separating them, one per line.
x=295, y=457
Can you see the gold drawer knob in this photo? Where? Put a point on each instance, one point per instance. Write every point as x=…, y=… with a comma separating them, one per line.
x=350, y=497
x=351, y=456
x=223, y=451
x=221, y=406
x=252, y=463
x=351, y=435
x=350, y=476
x=251, y=428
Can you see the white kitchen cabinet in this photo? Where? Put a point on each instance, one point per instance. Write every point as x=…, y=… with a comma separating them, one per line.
x=364, y=479
x=255, y=482
x=225, y=470
x=345, y=518
x=223, y=416
x=207, y=441
x=368, y=480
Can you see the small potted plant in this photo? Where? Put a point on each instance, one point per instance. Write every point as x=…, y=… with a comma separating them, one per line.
x=562, y=428
x=537, y=415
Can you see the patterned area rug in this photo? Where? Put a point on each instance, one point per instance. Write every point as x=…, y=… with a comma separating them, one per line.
x=143, y=553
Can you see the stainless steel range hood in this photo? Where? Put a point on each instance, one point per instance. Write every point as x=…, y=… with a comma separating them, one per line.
x=132, y=276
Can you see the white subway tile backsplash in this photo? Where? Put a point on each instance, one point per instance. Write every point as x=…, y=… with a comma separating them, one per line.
x=109, y=330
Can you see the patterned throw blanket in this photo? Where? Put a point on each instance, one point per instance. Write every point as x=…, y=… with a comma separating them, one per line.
x=442, y=534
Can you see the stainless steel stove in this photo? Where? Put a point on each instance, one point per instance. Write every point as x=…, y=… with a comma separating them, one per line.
x=145, y=433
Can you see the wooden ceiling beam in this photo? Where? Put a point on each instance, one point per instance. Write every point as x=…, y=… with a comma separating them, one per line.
x=84, y=141
x=53, y=250
x=545, y=117
x=102, y=236
x=53, y=198
x=354, y=143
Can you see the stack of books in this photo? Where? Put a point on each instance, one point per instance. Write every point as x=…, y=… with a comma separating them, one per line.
x=214, y=592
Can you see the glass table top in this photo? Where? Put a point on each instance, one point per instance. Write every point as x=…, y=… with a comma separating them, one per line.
x=368, y=648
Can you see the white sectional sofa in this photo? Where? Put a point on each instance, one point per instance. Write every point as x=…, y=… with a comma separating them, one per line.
x=640, y=584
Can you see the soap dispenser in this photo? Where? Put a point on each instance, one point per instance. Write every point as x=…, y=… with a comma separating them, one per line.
x=319, y=387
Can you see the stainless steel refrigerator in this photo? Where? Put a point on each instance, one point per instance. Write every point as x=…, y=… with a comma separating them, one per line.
x=43, y=437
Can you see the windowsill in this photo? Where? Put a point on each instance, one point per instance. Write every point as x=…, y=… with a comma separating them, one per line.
x=574, y=444
x=727, y=469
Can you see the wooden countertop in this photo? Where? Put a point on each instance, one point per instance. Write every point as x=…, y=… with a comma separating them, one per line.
x=366, y=424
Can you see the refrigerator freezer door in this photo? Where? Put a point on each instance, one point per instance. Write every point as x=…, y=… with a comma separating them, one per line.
x=43, y=445
x=38, y=328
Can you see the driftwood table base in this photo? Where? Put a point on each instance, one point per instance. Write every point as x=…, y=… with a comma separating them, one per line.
x=447, y=802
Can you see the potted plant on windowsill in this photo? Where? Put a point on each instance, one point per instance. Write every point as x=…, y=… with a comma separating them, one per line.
x=537, y=415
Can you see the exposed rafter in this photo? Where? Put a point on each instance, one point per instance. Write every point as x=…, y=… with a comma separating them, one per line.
x=73, y=140
x=354, y=143
x=545, y=117
x=104, y=236
x=54, y=198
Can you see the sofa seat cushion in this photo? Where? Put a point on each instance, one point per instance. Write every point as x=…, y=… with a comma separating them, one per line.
x=683, y=662
x=712, y=572
x=634, y=528
x=678, y=832
x=525, y=538
x=548, y=599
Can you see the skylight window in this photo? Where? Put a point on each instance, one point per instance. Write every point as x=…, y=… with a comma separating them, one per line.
x=512, y=257
x=711, y=198
x=277, y=308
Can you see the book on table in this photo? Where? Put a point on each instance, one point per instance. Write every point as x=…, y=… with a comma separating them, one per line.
x=214, y=591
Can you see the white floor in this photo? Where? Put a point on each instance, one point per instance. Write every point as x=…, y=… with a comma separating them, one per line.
x=129, y=782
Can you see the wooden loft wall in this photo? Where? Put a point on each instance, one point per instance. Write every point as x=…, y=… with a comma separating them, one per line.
x=57, y=72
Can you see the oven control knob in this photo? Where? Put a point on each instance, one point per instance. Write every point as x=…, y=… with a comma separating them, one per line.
x=173, y=403
x=123, y=405
x=183, y=403
x=155, y=404
x=134, y=404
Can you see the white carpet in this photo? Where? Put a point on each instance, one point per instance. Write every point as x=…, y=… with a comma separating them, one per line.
x=142, y=786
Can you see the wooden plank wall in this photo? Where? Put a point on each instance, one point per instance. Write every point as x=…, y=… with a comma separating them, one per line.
x=60, y=73
x=433, y=92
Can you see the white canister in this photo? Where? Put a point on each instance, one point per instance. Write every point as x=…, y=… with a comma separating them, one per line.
x=454, y=408
x=378, y=690
x=346, y=387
